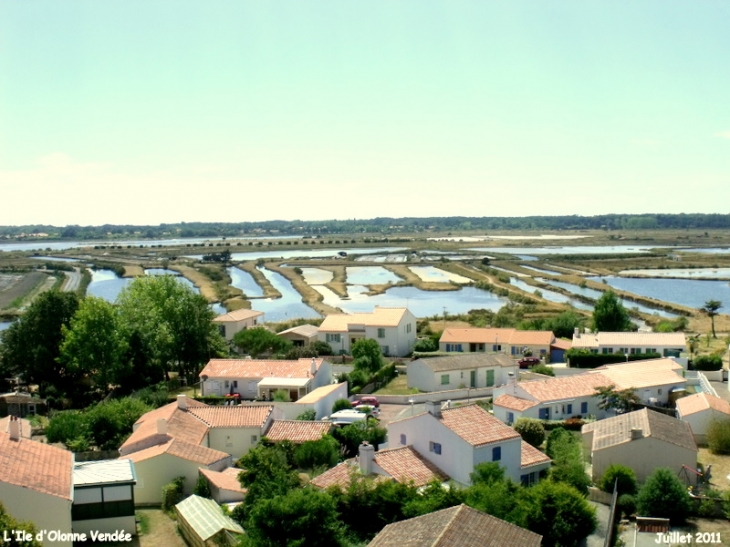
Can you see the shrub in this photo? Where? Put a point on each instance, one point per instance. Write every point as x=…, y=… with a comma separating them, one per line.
x=543, y=369
x=67, y=426
x=718, y=436
x=341, y=404
x=531, y=431
x=202, y=487
x=425, y=344
x=308, y=415
x=663, y=495
x=172, y=493
x=282, y=396
x=707, y=362
x=324, y=452
x=624, y=475
x=322, y=348
x=627, y=504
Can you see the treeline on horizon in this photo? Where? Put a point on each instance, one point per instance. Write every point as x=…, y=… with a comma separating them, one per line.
x=385, y=225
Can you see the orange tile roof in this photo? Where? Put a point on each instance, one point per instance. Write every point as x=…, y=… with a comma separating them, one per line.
x=225, y=480
x=340, y=475
x=531, y=456
x=640, y=374
x=459, y=526
x=406, y=465
x=503, y=336
x=259, y=368
x=233, y=416
x=40, y=467
x=476, y=426
x=514, y=403
x=561, y=344
x=461, y=361
x=237, y=315
x=630, y=339
x=700, y=402
x=181, y=425
x=566, y=387
x=297, y=431
x=186, y=451
x=380, y=317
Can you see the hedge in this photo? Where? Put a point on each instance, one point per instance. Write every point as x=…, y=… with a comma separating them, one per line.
x=581, y=358
x=707, y=363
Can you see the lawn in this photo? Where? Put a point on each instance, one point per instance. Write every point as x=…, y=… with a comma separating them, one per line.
x=157, y=529
x=397, y=386
x=720, y=469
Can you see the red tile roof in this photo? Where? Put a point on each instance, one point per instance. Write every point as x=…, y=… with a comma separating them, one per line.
x=191, y=452
x=259, y=368
x=225, y=480
x=512, y=337
x=531, y=456
x=701, y=401
x=514, y=403
x=297, y=431
x=237, y=315
x=342, y=475
x=380, y=317
x=38, y=466
x=476, y=426
x=181, y=425
x=459, y=526
x=232, y=416
x=406, y=465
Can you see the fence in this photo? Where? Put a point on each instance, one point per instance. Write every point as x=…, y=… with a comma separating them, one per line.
x=449, y=395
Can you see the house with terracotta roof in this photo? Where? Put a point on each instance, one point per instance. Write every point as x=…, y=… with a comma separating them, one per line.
x=643, y=440
x=224, y=485
x=260, y=378
x=459, y=371
x=700, y=410
x=301, y=335
x=394, y=329
x=401, y=464
x=667, y=344
x=235, y=321
x=24, y=425
x=509, y=341
x=36, y=482
x=568, y=396
x=459, y=526
x=298, y=431
x=456, y=439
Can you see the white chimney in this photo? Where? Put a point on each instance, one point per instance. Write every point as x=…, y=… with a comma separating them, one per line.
x=313, y=368
x=182, y=402
x=14, y=428
x=434, y=407
x=636, y=433
x=367, y=455
x=162, y=426
x=576, y=332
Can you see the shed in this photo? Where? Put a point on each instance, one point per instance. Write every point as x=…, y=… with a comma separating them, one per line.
x=203, y=524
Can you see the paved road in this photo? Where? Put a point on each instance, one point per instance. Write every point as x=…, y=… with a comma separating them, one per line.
x=73, y=280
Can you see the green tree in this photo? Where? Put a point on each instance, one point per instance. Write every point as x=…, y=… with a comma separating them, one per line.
x=31, y=345
x=94, y=344
x=531, y=430
x=304, y=517
x=492, y=492
x=260, y=341
x=266, y=473
x=172, y=326
x=718, y=436
x=621, y=400
x=558, y=512
x=609, y=315
x=564, y=324
x=624, y=478
x=308, y=415
x=566, y=451
x=352, y=436
x=8, y=525
x=663, y=495
x=324, y=452
x=710, y=309
x=321, y=348
x=341, y=404
x=367, y=355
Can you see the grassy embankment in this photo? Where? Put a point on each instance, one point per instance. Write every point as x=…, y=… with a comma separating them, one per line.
x=19, y=292
x=309, y=295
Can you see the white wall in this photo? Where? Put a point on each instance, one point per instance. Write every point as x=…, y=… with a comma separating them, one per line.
x=47, y=512
x=644, y=456
x=235, y=441
x=108, y=525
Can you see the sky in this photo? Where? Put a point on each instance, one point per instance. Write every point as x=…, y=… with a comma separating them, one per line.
x=139, y=112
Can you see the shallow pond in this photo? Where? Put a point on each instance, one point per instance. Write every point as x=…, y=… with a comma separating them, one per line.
x=55, y=259
x=579, y=249
x=550, y=296
x=420, y=303
x=434, y=274
x=383, y=258
x=105, y=284
x=244, y=281
x=289, y=306
x=692, y=293
x=689, y=273
x=312, y=252
x=316, y=276
x=4, y=325
x=176, y=275
x=370, y=275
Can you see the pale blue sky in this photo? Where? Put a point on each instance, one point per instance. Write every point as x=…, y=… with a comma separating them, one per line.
x=148, y=112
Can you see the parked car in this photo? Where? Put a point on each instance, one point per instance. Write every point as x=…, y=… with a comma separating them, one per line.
x=367, y=409
x=346, y=417
x=526, y=362
x=368, y=400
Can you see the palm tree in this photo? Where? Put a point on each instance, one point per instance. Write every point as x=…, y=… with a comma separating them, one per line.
x=710, y=309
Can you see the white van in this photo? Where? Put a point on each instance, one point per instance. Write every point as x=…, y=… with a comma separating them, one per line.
x=348, y=416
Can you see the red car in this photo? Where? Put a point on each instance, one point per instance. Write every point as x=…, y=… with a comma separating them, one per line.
x=366, y=401
x=526, y=362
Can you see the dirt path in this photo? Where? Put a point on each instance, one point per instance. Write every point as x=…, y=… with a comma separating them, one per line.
x=162, y=530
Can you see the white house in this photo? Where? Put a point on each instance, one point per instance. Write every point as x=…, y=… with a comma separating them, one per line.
x=510, y=341
x=301, y=335
x=260, y=378
x=224, y=485
x=568, y=396
x=456, y=439
x=235, y=321
x=458, y=371
x=36, y=482
x=667, y=344
x=700, y=410
x=393, y=328
x=642, y=440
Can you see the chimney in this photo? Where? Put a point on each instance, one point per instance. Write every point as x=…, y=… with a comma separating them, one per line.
x=367, y=455
x=434, y=407
x=576, y=332
x=14, y=428
x=636, y=433
x=161, y=426
x=182, y=402
x=313, y=368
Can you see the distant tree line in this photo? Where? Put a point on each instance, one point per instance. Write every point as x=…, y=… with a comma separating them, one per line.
x=377, y=225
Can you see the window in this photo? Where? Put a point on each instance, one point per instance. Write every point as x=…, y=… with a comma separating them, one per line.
x=444, y=379
x=496, y=453
x=222, y=330
x=332, y=338
x=497, y=347
x=403, y=439
x=462, y=373
x=544, y=413
x=490, y=378
x=528, y=479
x=568, y=409
x=381, y=333
x=226, y=384
x=584, y=408
x=510, y=418
x=254, y=438
x=434, y=447
x=408, y=327
x=385, y=350
x=604, y=351
x=659, y=391
x=235, y=383
x=229, y=442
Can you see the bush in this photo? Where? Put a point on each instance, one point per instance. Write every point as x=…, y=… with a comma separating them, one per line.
x=718, y=436
x=707, y=362
x=341, y=404
x=172, y=493
x=543, y=369
x=627, y=504
x=282, y=396
x=202, y=487
x=307, y=415
x=67, y=426
x=324, y=452
x=426, y=344
x=624, y=475
x=664, y=496
x=583, y=358
x=322, y=348
x=531, y=431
